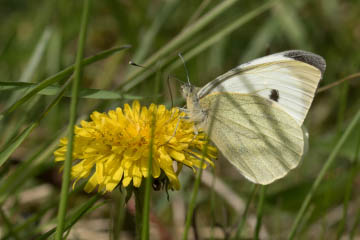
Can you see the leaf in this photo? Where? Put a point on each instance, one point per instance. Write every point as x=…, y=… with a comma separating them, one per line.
x=129, y=192
x=70, y=221
x=90, y=93
x=61, y=76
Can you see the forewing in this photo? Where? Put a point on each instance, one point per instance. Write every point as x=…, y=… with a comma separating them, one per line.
x=289, y=78
x=260, y=139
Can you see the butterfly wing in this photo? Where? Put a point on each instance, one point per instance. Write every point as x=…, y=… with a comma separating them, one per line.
x=260, y=139
x=289, y=78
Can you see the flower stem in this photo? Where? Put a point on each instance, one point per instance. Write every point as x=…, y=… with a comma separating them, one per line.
x=145, y=231
x=139, y=207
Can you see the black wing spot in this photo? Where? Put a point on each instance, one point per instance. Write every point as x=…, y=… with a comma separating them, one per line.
x=274, y=95
x=307, y=57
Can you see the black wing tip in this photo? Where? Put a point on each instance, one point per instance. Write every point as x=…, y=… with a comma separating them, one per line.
x=307, y=57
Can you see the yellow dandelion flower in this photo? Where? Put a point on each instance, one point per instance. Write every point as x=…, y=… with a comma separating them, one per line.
x=114, y=147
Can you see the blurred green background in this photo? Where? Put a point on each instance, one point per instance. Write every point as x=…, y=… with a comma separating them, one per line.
x=39, y=38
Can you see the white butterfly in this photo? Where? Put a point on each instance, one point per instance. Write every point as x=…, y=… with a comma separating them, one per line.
x=254, y=112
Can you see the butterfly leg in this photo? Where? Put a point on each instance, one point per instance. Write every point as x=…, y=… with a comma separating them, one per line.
x=174, y=133
x=178, y=122
x=185, y=110
x=196, y=132
x=196, y=129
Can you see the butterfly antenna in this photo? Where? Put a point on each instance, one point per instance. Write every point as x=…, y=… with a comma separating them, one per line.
x=169, y=88
x=186, y=70
x=177, y=79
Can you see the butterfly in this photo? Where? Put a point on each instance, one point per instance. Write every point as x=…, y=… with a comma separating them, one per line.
x=254, y=113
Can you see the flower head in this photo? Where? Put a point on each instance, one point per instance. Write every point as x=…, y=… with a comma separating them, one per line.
x=114, y=147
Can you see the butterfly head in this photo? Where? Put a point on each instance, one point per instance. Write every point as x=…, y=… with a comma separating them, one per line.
x=187, y=90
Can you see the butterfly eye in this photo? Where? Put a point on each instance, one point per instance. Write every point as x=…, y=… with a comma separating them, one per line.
x=187, y=89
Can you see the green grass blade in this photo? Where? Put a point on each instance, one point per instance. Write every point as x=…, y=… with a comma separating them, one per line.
x=344, y=92
x=87, y=206
x=27, y=169
x=73, y=112
x=356, y=225
x=191, y=207
x=354, y=169
x=204, y=44
x=322, y=173
x=89, y=93
x=245, y=213
x=184, y=36
x=223, y=33
x=204, y=4
x=212, y=205
x=61, y=76
x=48, y=206
x=32, y=219
x=9, y=225
x=293, y=27
x=53, y=53
x=33, y=63
x=13, y=145
x=13, y=124
x=257, y=46
x=36, y=57
x=7, y=43
x=259, y=212
x=149, y=36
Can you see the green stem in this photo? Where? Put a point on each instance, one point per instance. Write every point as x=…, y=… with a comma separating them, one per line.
x=349, y=186
x=73, y=110
x=9, y=225
x=74, y=217
x=246, y=210
x=355, y=226
x=118, y=214
x=190, y=211
x=321, y=175
x=212, y=205
x=260, y=212
x=146, y=210
x=139, y=206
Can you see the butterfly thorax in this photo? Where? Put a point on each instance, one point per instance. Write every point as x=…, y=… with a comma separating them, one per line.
x=194, y=111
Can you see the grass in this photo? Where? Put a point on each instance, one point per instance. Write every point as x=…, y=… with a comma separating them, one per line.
x=42, y=55
x=76, y=83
